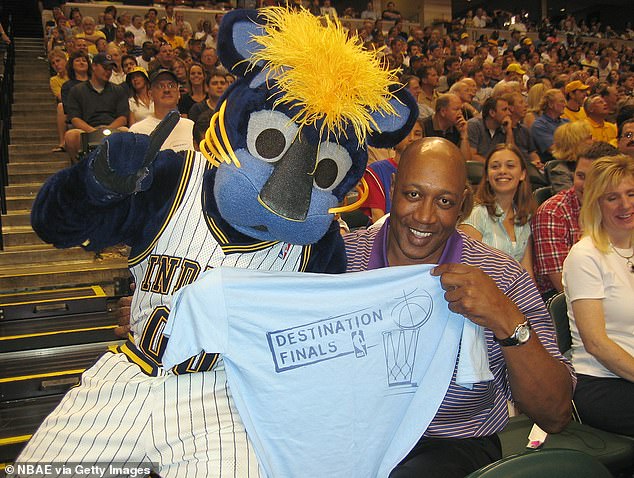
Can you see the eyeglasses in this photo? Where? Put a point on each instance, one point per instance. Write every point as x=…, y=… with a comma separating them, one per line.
x=166, y=85
x=628, y=135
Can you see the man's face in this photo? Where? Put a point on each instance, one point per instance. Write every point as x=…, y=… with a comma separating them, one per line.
x=626, y=141
x=579, y=96
x=629, y=83
x=166, y=53
x=88, y=26
x=486, y=70
x=81, y=45
x=597, y=107
x=501, y=111
x=150, y=28
x=579, y=178
x=137, y=21
x=414, y=87
x=519, y=107
x=101, y=72
x=217, y=86
x=432, y=78
x=209, y=57
x=479, y=78
x=108, y=19
x=453, y=110
x=426, y=202
x=558, y=104
x=164, y=92
x=611, y=98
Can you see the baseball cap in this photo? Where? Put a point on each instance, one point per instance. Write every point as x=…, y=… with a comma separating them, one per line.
x=527, y=41
x=103, y=59
x=515, y=68
x=576, y=85
x=464, y=35
x=136, y=69
x=162, y=71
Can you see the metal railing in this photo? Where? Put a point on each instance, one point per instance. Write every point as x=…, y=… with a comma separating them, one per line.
x=6, y=102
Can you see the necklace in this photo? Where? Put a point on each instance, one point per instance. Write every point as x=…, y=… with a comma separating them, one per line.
x=627, y=258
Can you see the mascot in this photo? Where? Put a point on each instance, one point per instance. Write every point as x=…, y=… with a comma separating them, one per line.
x=288, y=141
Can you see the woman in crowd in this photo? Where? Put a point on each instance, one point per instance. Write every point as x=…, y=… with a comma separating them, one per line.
x=141, y=104
x=598, y=279
x=197, y=89
x=57, y=59
x=533, y=99
x=504, y=206
x=78, y=69
x=568, y=142
x=180, y=70
x=118, y=76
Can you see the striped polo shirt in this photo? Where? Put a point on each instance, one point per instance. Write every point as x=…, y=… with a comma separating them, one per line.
x=482, y=410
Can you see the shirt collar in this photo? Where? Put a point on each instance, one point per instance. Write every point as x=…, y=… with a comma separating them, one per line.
x=378, y=254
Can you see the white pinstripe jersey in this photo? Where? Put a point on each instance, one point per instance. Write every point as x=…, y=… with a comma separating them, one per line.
x=189, y=243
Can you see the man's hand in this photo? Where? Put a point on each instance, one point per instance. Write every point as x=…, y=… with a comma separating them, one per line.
x=472, y=293
x=461, y=126
x=123, y=315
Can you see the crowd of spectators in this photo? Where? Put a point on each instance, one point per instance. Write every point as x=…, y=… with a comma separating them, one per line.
x=529, y=112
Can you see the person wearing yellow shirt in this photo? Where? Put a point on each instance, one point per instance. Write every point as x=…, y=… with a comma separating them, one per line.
x=597, y=110
x=172, y=38
x=90, y=34
x=576, y=93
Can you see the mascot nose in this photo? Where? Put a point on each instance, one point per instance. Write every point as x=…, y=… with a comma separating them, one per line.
x=288, y=190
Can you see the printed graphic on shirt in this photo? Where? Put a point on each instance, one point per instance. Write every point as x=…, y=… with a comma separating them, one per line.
x=356, y=334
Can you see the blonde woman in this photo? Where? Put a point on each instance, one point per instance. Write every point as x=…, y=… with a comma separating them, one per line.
x=598, y=279
x=569, y=140
x=533, y=98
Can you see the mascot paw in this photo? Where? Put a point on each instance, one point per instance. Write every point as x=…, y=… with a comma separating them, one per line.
x=122, y=162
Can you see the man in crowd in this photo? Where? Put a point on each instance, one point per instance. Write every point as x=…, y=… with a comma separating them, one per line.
x=521, y=134
x=94, y=104
x=428, y=83
x=165, y=94
x=493, y=128
x=576, y=94
x=551, y=108
x=163, y=59
x=109, y=27
x=447, y=122
x=597, y=112
x=430, y=196
x=626, y=137
x=555, y=226
x=137, y=29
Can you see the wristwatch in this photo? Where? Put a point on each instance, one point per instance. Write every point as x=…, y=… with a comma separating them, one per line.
x=519, y=337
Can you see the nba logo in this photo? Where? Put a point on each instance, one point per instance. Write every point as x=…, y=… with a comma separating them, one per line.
x=286, y=247
x=358, y=342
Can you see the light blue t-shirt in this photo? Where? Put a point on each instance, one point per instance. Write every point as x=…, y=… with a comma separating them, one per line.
x=494, y=234
x=333, y=375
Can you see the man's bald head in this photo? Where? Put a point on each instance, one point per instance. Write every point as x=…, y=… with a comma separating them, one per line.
x=430, y=196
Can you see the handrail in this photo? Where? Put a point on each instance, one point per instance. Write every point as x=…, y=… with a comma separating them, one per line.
x=6, y=103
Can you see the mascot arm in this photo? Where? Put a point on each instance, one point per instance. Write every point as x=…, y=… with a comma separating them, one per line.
x=329, y=254
x=73, y=208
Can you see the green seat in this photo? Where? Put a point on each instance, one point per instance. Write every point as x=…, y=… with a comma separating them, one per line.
x=554, y=463
x=614, y=451
x=543, y=193
x=558, y=310
x=475, y=170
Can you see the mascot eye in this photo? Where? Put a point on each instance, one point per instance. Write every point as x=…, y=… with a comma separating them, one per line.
x=333, y=163
x=269, y=135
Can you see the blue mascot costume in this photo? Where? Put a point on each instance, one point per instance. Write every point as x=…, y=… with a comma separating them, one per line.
x=287, y=143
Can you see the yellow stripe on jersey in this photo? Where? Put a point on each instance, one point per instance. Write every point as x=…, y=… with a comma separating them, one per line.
x=132, y=355
x=305, y=257
x=178, y=199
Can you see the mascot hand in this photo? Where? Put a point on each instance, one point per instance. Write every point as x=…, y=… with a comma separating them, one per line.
x=121, y=163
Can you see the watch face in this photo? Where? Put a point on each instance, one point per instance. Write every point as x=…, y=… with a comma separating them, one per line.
x=523, y=334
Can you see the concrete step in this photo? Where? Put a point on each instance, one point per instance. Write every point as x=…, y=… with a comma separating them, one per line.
x=16, y=203
x=20, y=236
x=26, y=87
x=28, y=189
x=44, y=95
x=25, y=135
x=20, y=217
x=35, y=149
x=68, y=274
x=43, y=155
x=43, y=253
x=49, y=167
x=33, y=110
x=46, y=121
x=29, y=177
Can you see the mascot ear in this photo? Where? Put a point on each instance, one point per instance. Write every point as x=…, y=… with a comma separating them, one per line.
x=235, y=40
x=394, y=128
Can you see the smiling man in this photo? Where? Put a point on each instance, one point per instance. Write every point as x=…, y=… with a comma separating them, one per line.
x=429, y=198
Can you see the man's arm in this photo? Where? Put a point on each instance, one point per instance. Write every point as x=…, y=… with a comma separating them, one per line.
x=81, y=124
x=118, y=122
x=540, y=383
x=551, y=244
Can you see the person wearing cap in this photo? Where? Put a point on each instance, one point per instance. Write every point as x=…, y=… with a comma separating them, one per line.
x=513, y=72
x=597, y=111
x=576, y=94
x=141, y=104
x=165, y=96
x=95, y=104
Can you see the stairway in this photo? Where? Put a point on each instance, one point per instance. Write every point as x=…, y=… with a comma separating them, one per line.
x=26, y=263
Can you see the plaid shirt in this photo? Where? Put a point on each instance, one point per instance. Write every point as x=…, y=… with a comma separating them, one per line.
x=555, y=228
